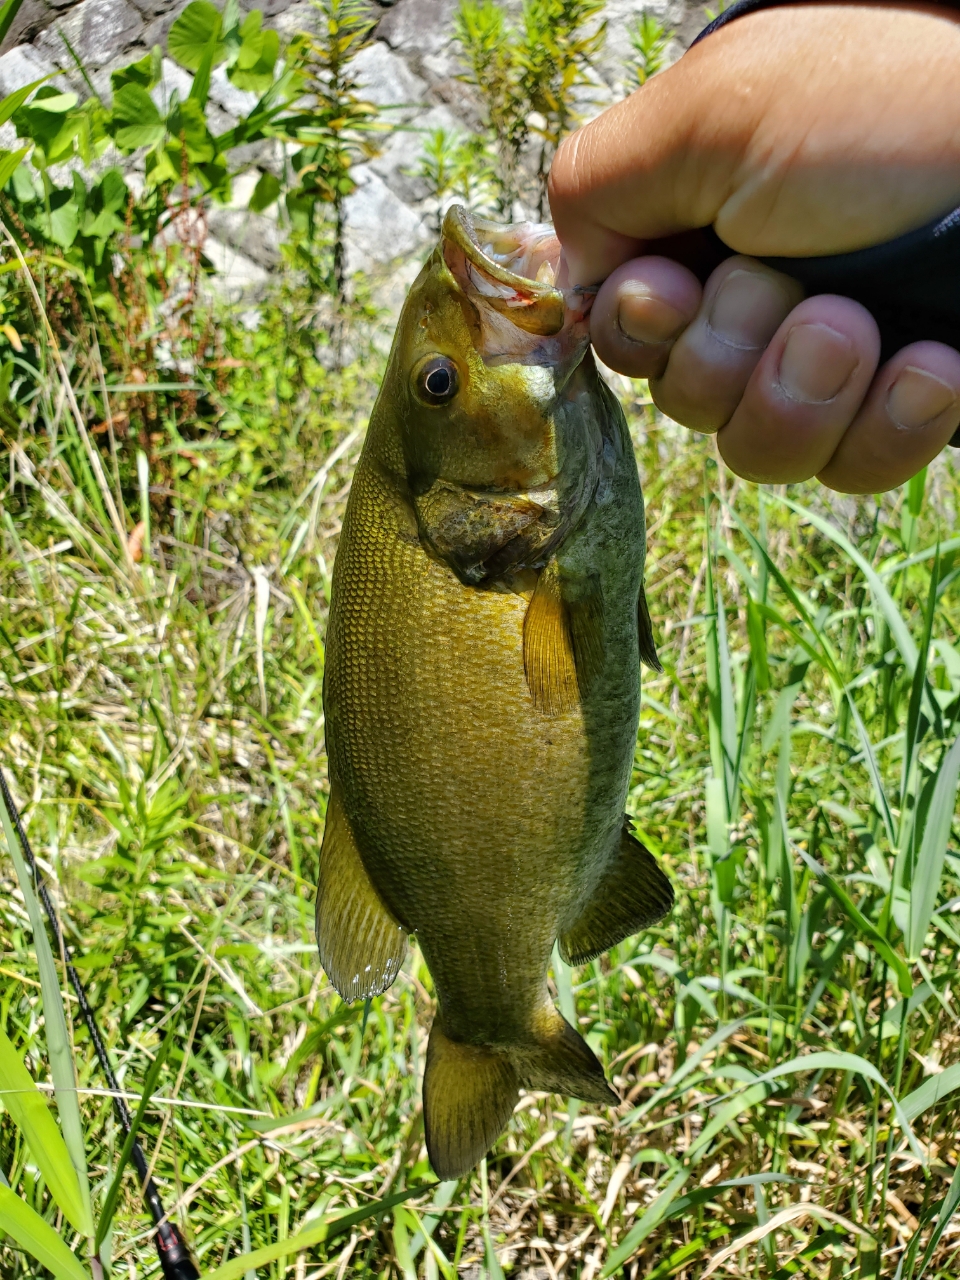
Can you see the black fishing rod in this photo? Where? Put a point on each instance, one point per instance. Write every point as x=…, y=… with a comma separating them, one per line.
x=176, y=1260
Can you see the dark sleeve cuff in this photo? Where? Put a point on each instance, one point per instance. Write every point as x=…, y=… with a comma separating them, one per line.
x=911, y=285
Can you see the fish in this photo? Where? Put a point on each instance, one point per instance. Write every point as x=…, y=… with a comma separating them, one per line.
x=482, y=681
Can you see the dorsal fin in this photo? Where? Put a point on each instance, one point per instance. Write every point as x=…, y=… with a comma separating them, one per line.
x=648, y=648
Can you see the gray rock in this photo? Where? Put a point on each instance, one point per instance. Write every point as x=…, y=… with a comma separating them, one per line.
x=237, y=276
x=32, y=18
x=21, y=66
x=379, y=226
x=400, y=156
x=386, y=80
x=238, y=102
x=98, y=30
x=257, y=237
x=418, y=27
x=172, y=78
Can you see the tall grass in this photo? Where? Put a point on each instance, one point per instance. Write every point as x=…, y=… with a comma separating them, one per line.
x=785, y=1043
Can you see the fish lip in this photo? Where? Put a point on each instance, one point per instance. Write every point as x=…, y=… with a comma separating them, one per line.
x=460, y=227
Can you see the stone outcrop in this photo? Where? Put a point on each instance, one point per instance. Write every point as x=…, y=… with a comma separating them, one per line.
x=411, y=71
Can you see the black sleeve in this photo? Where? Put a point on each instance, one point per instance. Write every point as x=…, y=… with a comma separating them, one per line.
x=911, y=285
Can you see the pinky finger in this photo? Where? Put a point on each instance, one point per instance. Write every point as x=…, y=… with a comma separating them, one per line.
x=909, y=414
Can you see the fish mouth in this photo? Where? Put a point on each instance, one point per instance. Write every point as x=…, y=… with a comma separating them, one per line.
x=517, y=271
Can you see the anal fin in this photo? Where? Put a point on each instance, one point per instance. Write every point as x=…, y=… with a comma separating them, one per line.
x=648, y=647
x=548, y=655
x=361, y=944
x=469, y=1092
x=633, y=894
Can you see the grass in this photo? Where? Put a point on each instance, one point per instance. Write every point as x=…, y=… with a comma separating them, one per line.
x=786, y=1043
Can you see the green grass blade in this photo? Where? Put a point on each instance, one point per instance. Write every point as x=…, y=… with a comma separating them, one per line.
x=948, y=1208
x=828, y=1060
x=149, y=1085
x=933, y=850
x=28, y=1109
x=7, y=15
x=868, y=930
x=316, y=1233
x=650, y=1220
x=59, y=1048
x=873, y=768
x=881, y=596
x=931, y=1092
x=38, y=1238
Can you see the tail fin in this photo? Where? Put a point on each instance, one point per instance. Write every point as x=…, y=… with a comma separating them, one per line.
x=563, y=1062
x=469, y=1092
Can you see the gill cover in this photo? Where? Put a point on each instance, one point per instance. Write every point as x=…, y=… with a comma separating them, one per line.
x=491, y=346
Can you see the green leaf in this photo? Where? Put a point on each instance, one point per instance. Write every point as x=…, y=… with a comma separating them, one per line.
x=929, y=1093
x=146, y=72
x=316, y=1233
x=16, y=99
x=829, y=1061
x=135, y=121
x=149, y=1085
x=882, y=597
x=868, y=930
x=948, y=1207
x=256, y=57
x=192, y=32
x=200, y=89
x=39, y=1239
x=8, y=163
x=59, y=1048
x=632, y=1241
x=264, y=193
x=28, y=1109
x=933, y=850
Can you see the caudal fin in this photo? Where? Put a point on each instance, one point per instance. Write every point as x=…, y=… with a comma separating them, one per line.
x=469, y=1092
x=563, y=1062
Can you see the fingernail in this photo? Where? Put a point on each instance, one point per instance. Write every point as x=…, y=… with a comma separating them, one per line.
x=747, y=310
x=917, y=398
x=642, y=317
x=816, y=363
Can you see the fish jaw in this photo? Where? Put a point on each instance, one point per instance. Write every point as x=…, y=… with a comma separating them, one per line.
x=498, y=462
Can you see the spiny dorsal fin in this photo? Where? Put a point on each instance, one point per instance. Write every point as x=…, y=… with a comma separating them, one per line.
x=633, y=894
x=548, y=656
x=648, y=649
x=361, y=944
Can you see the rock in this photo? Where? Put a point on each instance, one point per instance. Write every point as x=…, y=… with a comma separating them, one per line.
x=32, y=18
x=238, y=102
x=21, y=66
x=386, y=80
x=98, y=30
x=172, y=78
x=401, y=152
x=379, y=226
x=237, y=276
x=417, y=27
x=256, y=237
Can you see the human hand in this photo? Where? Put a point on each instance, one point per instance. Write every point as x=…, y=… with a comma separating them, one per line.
x=802, y=130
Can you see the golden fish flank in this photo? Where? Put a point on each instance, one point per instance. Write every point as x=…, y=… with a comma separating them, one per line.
x=482, y=683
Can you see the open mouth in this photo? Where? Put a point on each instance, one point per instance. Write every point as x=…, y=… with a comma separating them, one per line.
x=514, y=269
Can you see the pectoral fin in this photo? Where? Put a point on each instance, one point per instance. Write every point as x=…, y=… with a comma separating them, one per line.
x=634, y=894
x=361, y=943
x=648, y=648
x=548, y=654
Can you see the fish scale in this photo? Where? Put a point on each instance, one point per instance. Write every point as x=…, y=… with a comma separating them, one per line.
x=481, y=686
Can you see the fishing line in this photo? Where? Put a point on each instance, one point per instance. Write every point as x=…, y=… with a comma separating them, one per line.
x=176, y=1260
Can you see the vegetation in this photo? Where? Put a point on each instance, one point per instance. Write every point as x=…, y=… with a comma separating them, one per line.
x=786, y=1043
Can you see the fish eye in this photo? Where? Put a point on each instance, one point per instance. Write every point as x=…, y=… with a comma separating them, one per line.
x=437, y=380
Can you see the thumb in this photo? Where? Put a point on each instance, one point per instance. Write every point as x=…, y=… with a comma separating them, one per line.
x=643, y=170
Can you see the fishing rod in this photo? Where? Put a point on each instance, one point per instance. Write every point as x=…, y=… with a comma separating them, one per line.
x=176, y=1260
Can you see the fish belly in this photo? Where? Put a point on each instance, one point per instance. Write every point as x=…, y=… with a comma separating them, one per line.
x=478, y=818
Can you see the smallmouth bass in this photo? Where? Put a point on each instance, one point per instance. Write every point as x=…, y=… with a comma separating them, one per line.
x=482, y=682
